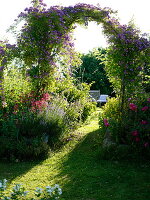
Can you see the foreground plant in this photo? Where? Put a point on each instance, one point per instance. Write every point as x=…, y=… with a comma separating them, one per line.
x=18, y=192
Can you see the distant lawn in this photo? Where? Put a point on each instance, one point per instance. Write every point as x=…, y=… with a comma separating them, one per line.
x=81, y=173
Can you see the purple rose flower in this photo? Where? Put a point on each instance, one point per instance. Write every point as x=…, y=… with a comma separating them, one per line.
x=1, y=68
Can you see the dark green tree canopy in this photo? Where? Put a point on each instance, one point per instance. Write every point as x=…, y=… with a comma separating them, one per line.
x=92, y=71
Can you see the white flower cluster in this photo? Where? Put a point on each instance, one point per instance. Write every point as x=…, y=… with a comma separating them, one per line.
x=49, y=192
x=3, y=185
x=18, y=190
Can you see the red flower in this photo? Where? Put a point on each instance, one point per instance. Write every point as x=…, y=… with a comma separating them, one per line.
x=135, y=133
x=144, y=108
x=106, y=122
x=133, y=106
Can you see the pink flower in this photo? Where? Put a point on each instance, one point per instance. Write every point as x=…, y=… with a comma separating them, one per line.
x=133, y=106
x=15, y=113
x=135, y=133
x=146, y=144
x=106, y=122
x=144, y=108
x=39, y=105
x=46, y=97
x=144, y=122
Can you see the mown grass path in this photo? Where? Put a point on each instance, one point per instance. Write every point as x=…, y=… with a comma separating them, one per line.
x=80, y=171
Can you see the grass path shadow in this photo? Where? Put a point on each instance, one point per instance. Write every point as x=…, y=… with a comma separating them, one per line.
x=88, y=177
x=11, y=170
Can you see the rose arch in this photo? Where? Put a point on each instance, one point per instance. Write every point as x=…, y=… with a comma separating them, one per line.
x=46, y=33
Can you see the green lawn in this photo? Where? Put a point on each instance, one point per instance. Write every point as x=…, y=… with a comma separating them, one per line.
x=81, y=173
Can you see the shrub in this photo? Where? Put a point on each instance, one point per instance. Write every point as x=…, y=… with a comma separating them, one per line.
x=15, y=85
x=110, y=118
x=21, y=137
x=129, y=128
x=138, y=124
x=88, y=109
x=27, y=132
x=33, y=126
x=78, y=97
x=31, y=123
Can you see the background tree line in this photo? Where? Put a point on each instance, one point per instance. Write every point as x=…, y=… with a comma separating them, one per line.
x=92, y=71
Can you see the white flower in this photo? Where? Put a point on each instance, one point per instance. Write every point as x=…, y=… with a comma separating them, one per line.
x=56, y=186
x=48, y=187
x=3, y=184
x=16, y=188
x=59, y=191
x=4, y=104
x=5, y=181
x=49, y=190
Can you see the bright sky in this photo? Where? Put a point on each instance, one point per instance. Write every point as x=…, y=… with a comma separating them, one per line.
x=86, y=39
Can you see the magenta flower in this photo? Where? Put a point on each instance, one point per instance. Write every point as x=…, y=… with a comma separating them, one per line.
x=135, y=133
x=106, y=122
x=144, y=122
x=146, y=144
x=15, y=113
x=133, y=106
x=144, y=108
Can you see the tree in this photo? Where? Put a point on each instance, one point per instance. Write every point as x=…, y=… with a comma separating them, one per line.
x=92, y=71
